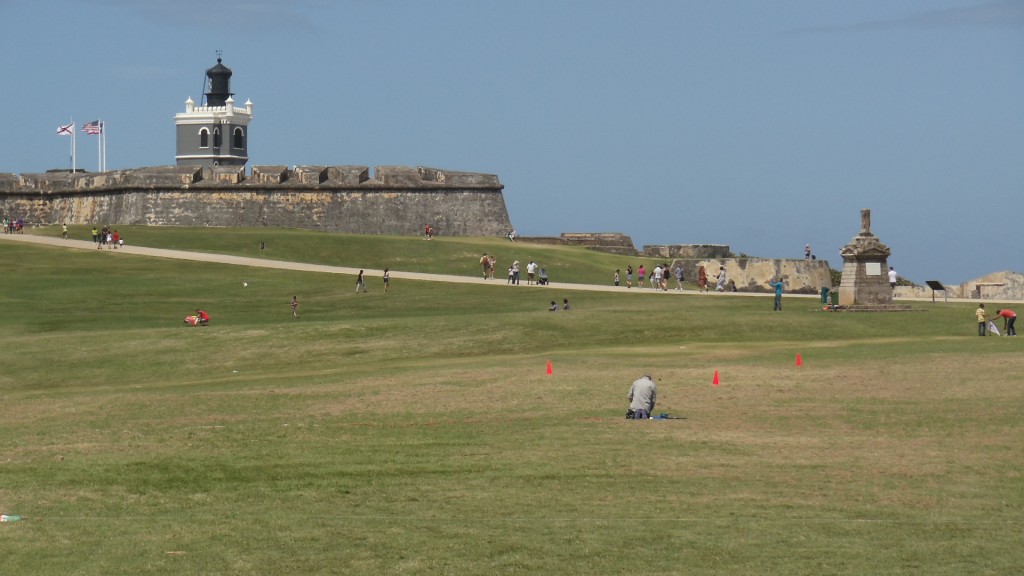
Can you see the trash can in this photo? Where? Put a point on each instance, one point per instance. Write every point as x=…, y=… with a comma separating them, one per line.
x=835, y=297
x=824, y=295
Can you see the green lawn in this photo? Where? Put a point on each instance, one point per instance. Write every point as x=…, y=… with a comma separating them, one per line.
x=416, y=432
x=442, y=255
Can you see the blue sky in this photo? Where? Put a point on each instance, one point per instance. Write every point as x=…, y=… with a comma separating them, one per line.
x=761, y=125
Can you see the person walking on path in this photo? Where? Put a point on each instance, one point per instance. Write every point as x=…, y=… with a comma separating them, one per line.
x=485, y=264
x=778, y=293
x=615, y=279
x=295, y=306
x=640, y=274
x=982, y=320
x=1009, y=318
x=360, y=283
x=720, y=287
x=892, y=278
x=64, y=231
x=387, y=279
x=629, y=276
x=679, y=278
x=702, y=279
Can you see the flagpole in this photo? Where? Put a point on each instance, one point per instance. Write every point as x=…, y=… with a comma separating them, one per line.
x=103, y=142
x=72, y=155
x=99, y=150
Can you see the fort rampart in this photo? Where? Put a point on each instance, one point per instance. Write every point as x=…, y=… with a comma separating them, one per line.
x=397, y=200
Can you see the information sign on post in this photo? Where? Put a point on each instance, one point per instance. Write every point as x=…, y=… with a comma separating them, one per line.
x=935, y=285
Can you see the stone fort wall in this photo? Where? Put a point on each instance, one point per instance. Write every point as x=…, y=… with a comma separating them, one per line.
x=397, y=200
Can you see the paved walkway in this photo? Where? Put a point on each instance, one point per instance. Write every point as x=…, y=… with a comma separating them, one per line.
x=303, y=267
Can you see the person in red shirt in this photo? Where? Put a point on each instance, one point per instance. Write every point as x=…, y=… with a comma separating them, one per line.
x=204, y=318
x=1009, y=317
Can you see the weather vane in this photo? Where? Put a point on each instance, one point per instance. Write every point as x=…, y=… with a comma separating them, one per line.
x=219, y=54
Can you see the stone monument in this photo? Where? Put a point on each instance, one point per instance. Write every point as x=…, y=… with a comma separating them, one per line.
x=865, y=274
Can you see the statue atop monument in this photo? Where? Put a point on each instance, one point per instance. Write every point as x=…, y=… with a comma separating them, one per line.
x=865, y=222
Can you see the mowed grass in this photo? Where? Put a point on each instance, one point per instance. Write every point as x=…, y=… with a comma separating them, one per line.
x=442, y=255
x=416, y=432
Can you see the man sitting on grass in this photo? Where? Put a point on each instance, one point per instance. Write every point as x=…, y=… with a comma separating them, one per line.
x=642, y=395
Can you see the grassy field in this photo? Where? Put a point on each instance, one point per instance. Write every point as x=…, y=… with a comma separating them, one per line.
x=416, y=432
x=441, y=255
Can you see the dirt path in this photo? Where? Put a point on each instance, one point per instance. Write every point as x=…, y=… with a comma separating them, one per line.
x=396, y=274
x=303, y=267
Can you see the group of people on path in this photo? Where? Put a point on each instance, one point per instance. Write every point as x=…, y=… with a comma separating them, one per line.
x=659, y=277
x=105, y=237
x=534, y=273
x=12, y=226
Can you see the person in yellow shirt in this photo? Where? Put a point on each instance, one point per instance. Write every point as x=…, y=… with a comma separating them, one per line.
x=982, y=320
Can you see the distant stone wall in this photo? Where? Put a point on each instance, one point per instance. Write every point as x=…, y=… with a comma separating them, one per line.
x=687, y=251
x=752, y=274
x=998, y=286
x=398, y=201
x=549, y=240
x=613, y=242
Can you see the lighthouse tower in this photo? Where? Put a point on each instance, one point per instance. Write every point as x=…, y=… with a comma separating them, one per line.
x=217, y=133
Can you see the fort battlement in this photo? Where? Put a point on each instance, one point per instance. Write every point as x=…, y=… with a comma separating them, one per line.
x=396, y=200
x=185, y=177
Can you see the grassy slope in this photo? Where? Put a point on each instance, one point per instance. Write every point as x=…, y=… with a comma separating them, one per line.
x=441, y=255
x=416, y=432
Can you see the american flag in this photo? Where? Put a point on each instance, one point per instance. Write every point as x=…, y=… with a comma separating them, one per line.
x=66, y=130
x=94, y=127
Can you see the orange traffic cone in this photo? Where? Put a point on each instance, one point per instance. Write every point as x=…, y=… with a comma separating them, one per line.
x=549, y=368
x=799, y=362
x=714, y=381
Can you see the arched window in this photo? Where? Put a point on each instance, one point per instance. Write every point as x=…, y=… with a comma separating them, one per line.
x=239, y=138
x=204, y=138
x=216, y=137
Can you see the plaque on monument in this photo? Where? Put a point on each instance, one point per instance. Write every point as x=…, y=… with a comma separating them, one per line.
x=872, y=268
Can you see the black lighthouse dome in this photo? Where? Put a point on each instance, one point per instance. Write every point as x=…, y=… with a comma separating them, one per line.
x=220, y=85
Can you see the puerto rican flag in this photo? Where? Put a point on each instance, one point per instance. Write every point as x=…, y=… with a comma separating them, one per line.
x=67, y=130
x=94, y=127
